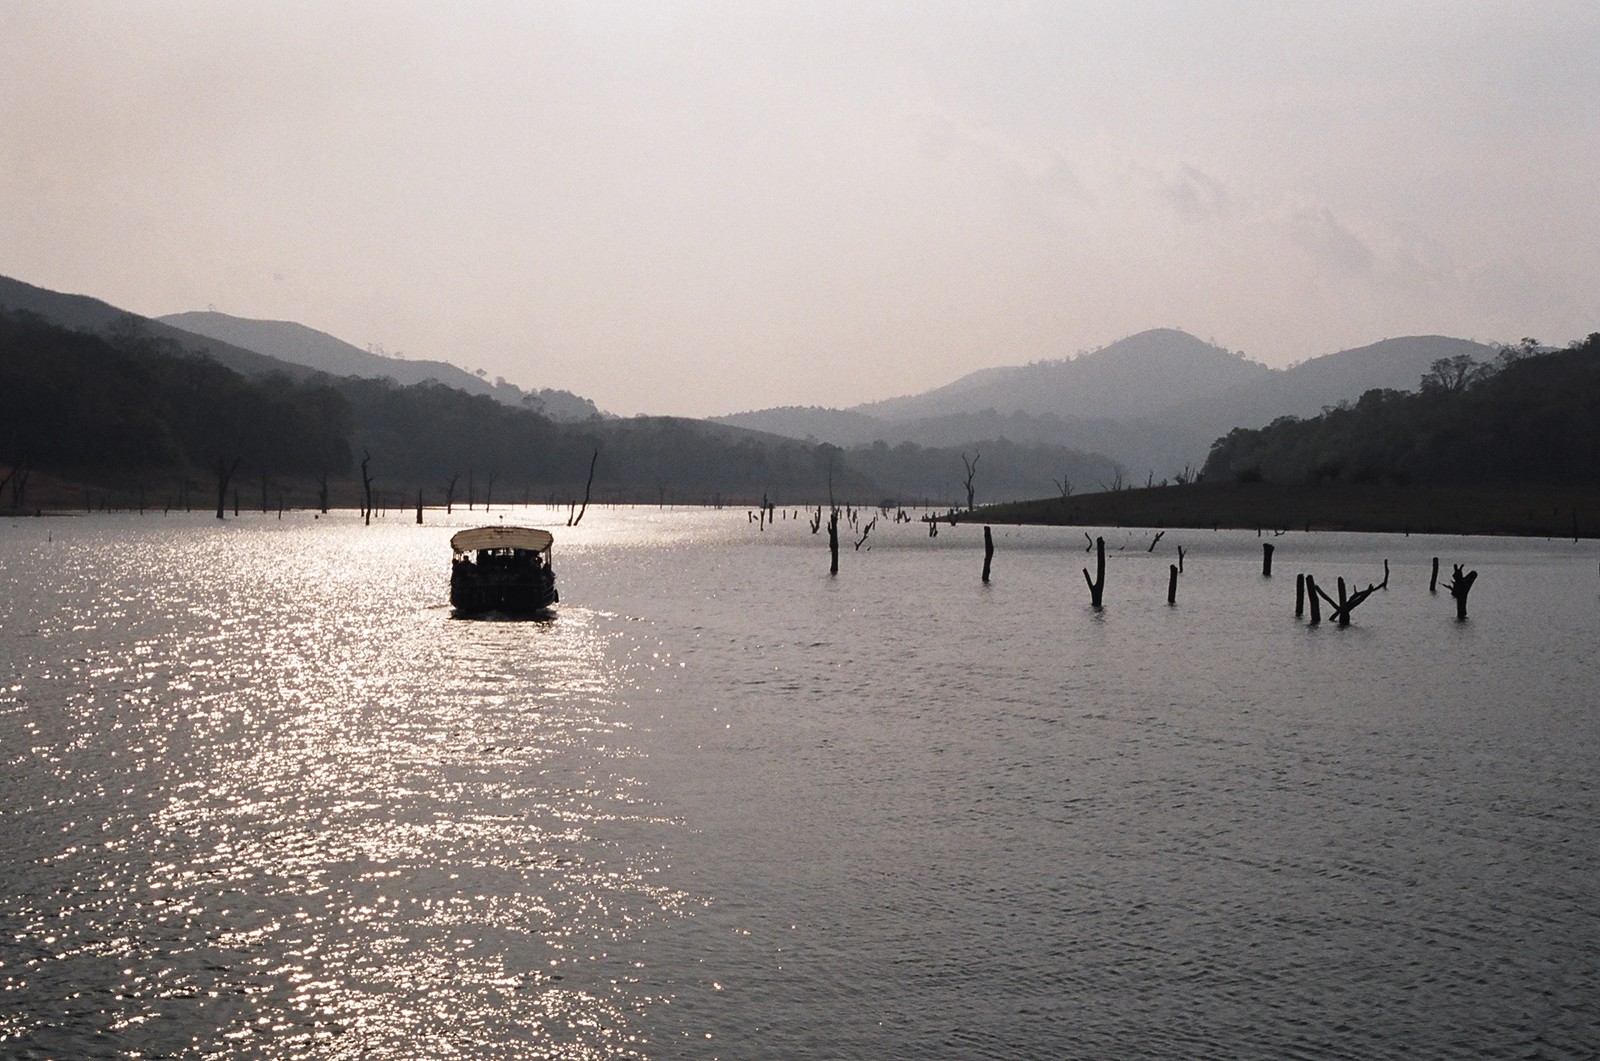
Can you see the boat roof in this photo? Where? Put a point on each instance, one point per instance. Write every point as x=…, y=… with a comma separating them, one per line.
x=476, y=538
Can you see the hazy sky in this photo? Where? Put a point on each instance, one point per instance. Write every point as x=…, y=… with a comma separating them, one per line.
x=700, y=208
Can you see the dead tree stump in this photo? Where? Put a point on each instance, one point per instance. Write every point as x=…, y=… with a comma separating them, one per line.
x=1097, y=585
x=1460, y=585
x=1266, y=559
x=833, y=542
x=1314, y=595
x=1172, y=583
x=1299, y=595
x=1433, y=582
x=988, y=552
x=366, y=489
x=1347, y=602
x=225, y=471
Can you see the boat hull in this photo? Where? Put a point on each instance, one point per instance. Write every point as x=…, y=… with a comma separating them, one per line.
x=474, y=597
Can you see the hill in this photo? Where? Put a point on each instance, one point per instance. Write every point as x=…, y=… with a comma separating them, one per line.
x=300, y=345
x=82, y=313
x=116, y=407
x=1524, y=418
x=1152, y=403
x=1133, y=378
x=1311, y=386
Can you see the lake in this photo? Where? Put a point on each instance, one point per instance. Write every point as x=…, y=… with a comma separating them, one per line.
x=263, y=795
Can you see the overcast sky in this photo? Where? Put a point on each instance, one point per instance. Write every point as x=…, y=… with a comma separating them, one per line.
x=701, y=208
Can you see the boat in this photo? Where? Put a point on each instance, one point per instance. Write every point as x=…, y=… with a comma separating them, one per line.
x=504, y=570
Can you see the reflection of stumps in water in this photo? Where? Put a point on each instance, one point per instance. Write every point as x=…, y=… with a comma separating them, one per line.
x=1433, y=582
x=1097, y=585
x=1172, y=583
x=1461, y=585
x=833, y=542
x=1299, y=595
x=988, y=551
x=1314, y=595
x=1266, y=559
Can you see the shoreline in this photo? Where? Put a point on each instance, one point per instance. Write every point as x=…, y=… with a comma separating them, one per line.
x=1544, y=512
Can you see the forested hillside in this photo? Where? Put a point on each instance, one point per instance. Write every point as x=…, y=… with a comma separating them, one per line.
x=73, y=402
x=129, y=414
x=1524, y=418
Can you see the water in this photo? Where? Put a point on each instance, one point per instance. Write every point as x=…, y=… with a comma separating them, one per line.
x=263, y=796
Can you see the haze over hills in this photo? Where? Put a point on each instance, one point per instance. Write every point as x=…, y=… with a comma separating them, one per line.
x=1146, y=408
x=102, y=396
x=87, y=314
x=1132, y=378
x=300, y=345
x=256, y=348
x=1154, y=402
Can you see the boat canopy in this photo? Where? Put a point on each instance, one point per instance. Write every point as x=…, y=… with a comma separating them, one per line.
x=475, y=538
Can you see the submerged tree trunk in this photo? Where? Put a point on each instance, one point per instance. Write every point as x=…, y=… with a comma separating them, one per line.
x=988, y=551
x=366, y=488
x=1097, y=585
x=579, y=517
x=225, y=472
x=1461, y=585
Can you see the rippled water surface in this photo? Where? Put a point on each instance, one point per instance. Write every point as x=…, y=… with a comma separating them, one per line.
x=263, y=796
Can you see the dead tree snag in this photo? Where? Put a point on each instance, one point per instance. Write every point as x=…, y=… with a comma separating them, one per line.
x=366, y=488
x=575, y=520
x=1347, y=602
x=225, y=472
x=1097, y=585
x=1459, y=586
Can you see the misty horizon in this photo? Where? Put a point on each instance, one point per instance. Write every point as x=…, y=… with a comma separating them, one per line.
x=694, y=211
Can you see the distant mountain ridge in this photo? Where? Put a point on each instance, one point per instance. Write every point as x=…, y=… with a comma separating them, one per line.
x=126, y=402
x=87, y=314
x=1154, y=402
x=301, y=345
x=1132, y=378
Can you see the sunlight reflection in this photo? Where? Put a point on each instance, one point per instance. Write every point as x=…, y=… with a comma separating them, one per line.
x=314, y=814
